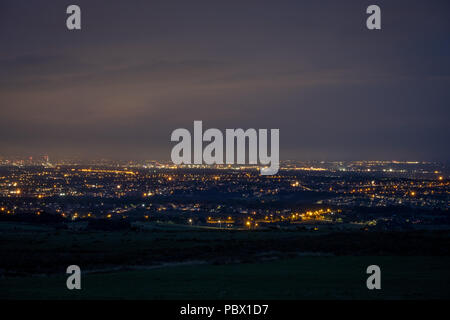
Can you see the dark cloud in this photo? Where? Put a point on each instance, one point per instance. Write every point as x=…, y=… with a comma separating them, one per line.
x=140, y=69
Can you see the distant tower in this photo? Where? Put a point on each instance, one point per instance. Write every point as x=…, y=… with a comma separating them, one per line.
x=46, y=159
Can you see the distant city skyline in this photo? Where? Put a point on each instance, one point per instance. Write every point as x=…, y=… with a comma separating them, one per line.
x=138, y=70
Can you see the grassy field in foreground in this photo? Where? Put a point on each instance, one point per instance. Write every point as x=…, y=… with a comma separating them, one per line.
x=297, y=278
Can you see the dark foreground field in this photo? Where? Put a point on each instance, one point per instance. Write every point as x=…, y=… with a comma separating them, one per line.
x=295, y=278
x=174, y=262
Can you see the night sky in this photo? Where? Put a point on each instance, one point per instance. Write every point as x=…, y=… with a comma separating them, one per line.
x=140, y=69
